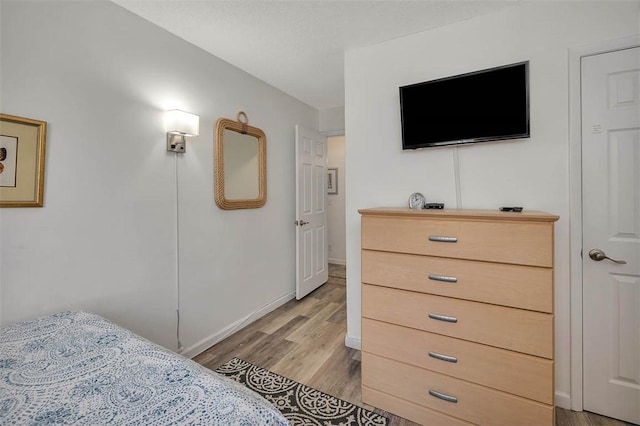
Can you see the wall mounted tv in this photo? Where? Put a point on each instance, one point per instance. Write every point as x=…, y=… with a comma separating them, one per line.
x=480, y=106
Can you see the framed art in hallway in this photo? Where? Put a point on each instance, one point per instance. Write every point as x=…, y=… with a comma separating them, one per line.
x=332, y=180
x=22, y=156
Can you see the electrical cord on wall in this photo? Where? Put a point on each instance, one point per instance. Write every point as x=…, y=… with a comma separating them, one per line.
x=456, y=175
x=180, y=347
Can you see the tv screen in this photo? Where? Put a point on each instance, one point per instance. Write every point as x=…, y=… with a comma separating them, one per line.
x=481, y=106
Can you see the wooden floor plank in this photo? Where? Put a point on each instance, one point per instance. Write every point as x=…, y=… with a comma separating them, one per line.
x=313, y=328
x=304, y=341
x=272, y=322
x=268, y=352
x=229, y=347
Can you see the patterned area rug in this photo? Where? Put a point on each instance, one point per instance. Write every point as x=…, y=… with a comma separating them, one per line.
x=300, y=404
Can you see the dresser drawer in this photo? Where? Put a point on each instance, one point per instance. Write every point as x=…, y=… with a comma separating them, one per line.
x=409, y=410
x=475, y=403
x=522, y=243
x=523, y=287
x=513, y=372
x=514, y=329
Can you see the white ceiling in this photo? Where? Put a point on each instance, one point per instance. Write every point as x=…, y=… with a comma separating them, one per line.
x=298, y=46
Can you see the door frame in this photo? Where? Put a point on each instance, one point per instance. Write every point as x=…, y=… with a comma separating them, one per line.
x=574, y=401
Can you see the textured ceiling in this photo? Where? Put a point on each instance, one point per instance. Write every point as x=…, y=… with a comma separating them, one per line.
x=298, y=46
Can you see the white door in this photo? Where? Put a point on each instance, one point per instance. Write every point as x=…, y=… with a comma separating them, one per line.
x=312, y=265
x=611, y=223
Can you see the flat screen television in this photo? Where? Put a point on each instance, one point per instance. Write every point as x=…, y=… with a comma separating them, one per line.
x=480, y=106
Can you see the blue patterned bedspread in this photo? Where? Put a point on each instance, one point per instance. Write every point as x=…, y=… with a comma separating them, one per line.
x=77, y=368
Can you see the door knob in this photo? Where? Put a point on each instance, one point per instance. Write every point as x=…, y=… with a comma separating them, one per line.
x=598, y=255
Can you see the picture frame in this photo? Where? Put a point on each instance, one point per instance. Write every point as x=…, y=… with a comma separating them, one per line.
x=332, y=180
x=22, y=161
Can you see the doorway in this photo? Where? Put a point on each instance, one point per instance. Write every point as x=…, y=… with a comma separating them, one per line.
x=336, y=220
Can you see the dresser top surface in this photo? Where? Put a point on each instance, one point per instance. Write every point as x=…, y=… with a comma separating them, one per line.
x=525, y=215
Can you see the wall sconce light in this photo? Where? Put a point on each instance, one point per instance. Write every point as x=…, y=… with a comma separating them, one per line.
x=179, y=125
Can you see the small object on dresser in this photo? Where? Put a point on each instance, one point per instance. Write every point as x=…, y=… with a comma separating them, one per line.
x=434, y=206
x=511, y=209
x=416, y=201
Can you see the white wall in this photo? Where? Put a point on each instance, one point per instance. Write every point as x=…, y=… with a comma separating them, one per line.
x=105, y=240
x=332, y=121
x=336, y=204
x=533, y=173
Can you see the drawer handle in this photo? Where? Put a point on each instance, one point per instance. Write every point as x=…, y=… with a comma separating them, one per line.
x=443, y=278
x=444, y=318
x=443, y=396
x=441, y=357
x=441, y=239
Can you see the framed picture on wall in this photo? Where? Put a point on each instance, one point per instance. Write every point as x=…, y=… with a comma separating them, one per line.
x=332, y=180
x=22, y=150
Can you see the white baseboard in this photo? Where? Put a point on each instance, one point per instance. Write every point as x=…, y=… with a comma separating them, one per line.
x=211, y=340
x=563, y=400
x=338, y=261
x=353, y=342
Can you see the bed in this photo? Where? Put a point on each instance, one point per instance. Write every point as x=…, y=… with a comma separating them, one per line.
x=79, y=368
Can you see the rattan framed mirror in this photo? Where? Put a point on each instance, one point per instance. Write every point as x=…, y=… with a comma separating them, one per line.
x=240, y=164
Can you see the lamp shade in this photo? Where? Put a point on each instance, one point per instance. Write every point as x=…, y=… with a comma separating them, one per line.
x=182, y=123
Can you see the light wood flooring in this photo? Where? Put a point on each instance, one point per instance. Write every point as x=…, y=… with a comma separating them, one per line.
x=304, y=341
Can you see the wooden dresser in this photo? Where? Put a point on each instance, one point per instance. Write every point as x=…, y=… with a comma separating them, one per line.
x=457, y=315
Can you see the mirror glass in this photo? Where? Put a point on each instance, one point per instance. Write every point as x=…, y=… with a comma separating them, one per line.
x=240, y=165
